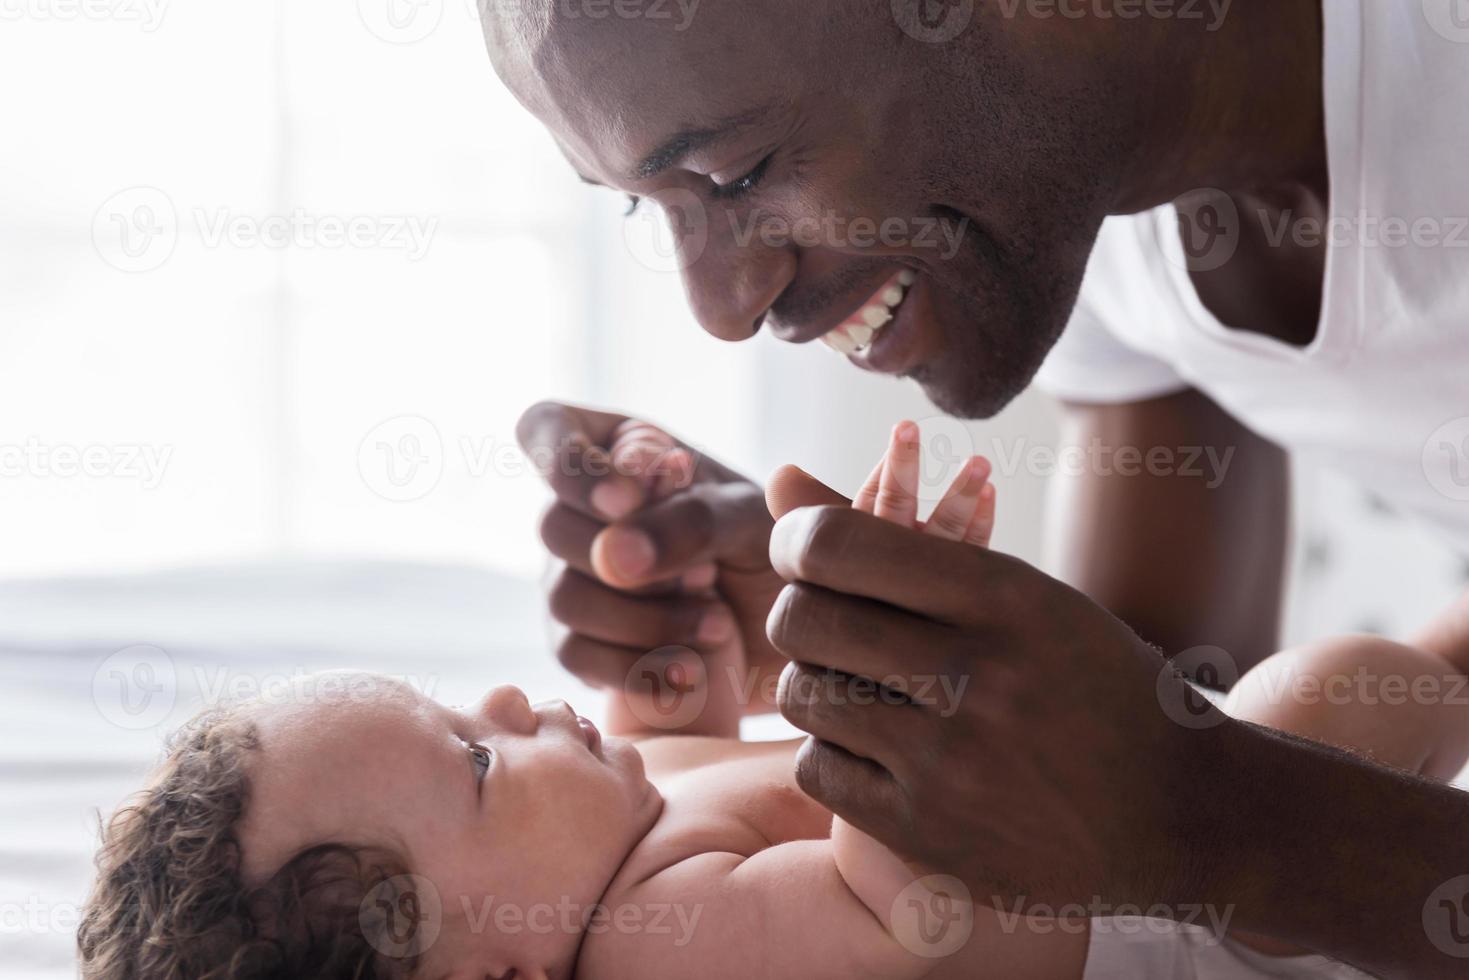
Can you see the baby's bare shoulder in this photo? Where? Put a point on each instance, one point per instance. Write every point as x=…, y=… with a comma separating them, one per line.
x=668, y=756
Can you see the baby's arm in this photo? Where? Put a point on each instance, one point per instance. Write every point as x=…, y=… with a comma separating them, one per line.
x=794, y=912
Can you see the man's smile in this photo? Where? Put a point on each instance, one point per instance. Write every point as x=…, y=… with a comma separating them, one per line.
x=856, y=334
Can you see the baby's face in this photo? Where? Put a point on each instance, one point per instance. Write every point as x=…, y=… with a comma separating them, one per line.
x=514, y=812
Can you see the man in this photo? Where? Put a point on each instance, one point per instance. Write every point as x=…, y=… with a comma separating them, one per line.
x=1250, y=217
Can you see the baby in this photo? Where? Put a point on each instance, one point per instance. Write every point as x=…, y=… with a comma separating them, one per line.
x=376, y=833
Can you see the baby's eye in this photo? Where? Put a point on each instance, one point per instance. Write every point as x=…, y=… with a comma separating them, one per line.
x=479, y=757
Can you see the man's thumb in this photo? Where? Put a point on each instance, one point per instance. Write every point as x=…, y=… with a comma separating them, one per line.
x=791, y=487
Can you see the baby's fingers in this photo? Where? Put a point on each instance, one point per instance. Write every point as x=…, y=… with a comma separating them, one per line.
x=955, y=514
x=897, y=491
x=652, y=458
x=866, y=499
x=983, y=524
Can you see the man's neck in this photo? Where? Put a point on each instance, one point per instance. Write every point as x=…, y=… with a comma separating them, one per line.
x=1240, y=110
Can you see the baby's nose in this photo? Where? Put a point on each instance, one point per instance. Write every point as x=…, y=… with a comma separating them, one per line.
x=507, y=707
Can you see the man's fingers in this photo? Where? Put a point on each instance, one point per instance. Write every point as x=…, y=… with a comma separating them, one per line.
x=857, y=713
x=599, y=612
x=897, y=491
x=827, y=629
x=723, y=522
x=859, y=791
x=791, y=487
x=568, y=445
x=596, y=663
x=607, y=665
x=568, y=535
x=549, y=423
x=851, y=552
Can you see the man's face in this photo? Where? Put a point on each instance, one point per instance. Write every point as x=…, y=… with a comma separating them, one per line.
x=926, y=207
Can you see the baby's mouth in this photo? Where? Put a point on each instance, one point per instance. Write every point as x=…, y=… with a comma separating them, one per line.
x=593, y=736
x=857, y=332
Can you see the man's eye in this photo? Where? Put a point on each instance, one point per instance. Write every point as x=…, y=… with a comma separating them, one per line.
x=736, y=189
x=480, y=757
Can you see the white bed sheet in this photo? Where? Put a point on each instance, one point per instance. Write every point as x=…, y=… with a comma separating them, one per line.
x=62, y=760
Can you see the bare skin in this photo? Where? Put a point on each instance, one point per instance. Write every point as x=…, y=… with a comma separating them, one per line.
x=1021, y=134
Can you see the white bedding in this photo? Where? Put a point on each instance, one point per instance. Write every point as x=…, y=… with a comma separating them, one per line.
x=62, y=758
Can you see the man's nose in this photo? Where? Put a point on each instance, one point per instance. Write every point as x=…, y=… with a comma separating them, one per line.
x=507, y=707
x=735, y=279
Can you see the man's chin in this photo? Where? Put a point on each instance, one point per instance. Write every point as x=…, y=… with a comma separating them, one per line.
x=976, y=395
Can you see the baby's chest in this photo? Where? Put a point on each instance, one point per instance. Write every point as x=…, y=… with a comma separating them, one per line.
x=740, y=806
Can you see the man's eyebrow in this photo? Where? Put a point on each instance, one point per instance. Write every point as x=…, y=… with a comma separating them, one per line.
x=672, y=151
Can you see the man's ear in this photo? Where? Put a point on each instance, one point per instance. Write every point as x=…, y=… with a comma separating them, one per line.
x=791, y=487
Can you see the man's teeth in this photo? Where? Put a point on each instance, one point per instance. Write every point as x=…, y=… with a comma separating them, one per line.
x=857, y=333
x=878, y=315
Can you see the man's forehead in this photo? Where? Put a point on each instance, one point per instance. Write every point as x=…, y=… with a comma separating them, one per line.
x=629, y=95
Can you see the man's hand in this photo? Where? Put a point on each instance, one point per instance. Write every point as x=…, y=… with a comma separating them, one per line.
x=1031, y=754
x=641, y=550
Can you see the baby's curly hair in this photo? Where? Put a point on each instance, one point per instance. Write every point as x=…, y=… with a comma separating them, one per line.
x=169, y=902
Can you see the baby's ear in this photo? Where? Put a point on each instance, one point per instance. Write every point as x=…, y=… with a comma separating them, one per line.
x=791, y=487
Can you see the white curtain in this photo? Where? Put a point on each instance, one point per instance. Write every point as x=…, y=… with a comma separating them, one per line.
x=277, y=278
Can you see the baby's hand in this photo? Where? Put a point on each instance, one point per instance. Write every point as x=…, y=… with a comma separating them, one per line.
x=651, y=457
x=966, y=512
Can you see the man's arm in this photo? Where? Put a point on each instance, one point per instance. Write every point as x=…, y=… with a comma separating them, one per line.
x=1326, y=850
x=1189, y=548
x=1064, y=764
